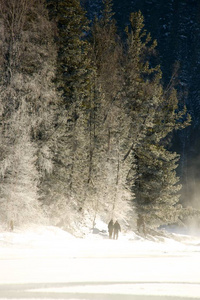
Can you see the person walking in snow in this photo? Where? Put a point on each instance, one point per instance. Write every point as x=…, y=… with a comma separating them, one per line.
x=117, y=228
x=110, y=228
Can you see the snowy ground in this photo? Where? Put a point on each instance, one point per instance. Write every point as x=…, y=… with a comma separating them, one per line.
x=48, y=263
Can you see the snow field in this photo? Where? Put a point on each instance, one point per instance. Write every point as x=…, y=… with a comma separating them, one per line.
x=46, y=262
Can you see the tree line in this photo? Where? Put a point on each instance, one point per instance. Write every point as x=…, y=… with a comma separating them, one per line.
x=85, y=120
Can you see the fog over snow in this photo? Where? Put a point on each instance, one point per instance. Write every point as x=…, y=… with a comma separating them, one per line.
x=45, y=262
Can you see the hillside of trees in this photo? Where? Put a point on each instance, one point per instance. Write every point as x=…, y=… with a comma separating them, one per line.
x=85, y=120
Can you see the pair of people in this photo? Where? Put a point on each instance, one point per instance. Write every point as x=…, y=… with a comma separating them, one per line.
x=113, y=229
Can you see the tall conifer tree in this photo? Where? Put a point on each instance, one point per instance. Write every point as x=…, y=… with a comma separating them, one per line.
x=73, y=142
x=73, y=63
x=111, y=120
x=27, y=96
x=157, y=186
x=154, y=116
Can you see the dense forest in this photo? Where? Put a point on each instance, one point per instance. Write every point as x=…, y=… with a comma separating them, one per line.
x=86, y=120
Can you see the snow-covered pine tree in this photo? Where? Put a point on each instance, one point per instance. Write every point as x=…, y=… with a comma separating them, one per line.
x=27, y=98
x=157, y=186
x=68, y=184
x=19, y=175
x=138, y=91
x=73, y=62
x=111, y=122
x=139, y=100
x=156, y=115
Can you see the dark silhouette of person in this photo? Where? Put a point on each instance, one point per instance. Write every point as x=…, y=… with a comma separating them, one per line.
x=110, y=228
x=141, y=223
x=117, y=228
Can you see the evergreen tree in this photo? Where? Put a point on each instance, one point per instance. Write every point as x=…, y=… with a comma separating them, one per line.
x=111, y=121
x=139, y=78
x=157, y=186
x=107, y=53
x=73, y=63
x=67, y=185
x=19, y=175
x=139, y=90
x=154, y=115
x=27, y=98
